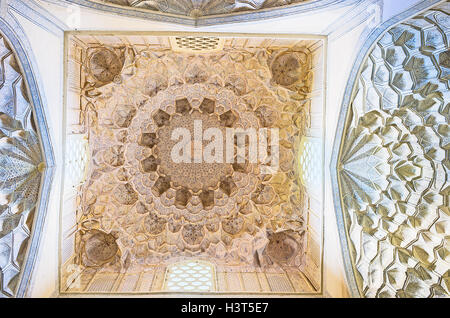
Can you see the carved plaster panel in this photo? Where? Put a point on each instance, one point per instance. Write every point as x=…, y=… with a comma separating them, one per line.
x=393, y=166
x=139, y=209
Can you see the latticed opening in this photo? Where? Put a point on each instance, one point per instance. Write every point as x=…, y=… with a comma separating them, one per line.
x=196, y=44
x=190, y=276
x=309, y=159
x=77, y=156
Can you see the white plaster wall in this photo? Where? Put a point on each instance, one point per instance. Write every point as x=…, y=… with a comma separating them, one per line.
x=341, y=53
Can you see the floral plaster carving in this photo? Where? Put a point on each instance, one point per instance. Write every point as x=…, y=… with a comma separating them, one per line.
x=394, y=163
x=157, y=209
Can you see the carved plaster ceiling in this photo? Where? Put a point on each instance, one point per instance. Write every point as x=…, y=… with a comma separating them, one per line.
x=394, y=164
x=139, y=208
x=21, y=165
x=199, y=8
x=160, y=208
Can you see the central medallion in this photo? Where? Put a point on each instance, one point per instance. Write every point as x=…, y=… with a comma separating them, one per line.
x=195, y=173
x=184, y=146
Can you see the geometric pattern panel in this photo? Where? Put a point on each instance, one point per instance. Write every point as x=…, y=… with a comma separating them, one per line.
x=20, y=171
x=393, y=165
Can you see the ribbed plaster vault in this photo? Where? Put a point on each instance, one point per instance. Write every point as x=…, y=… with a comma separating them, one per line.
x=21, y=167
x=393, y=165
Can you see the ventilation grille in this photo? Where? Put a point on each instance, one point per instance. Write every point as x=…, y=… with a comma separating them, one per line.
x=196, y=44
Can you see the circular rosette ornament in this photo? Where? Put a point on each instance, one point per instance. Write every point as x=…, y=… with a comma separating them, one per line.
x=291, y=70
x=104, y=65
x=98, y=248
